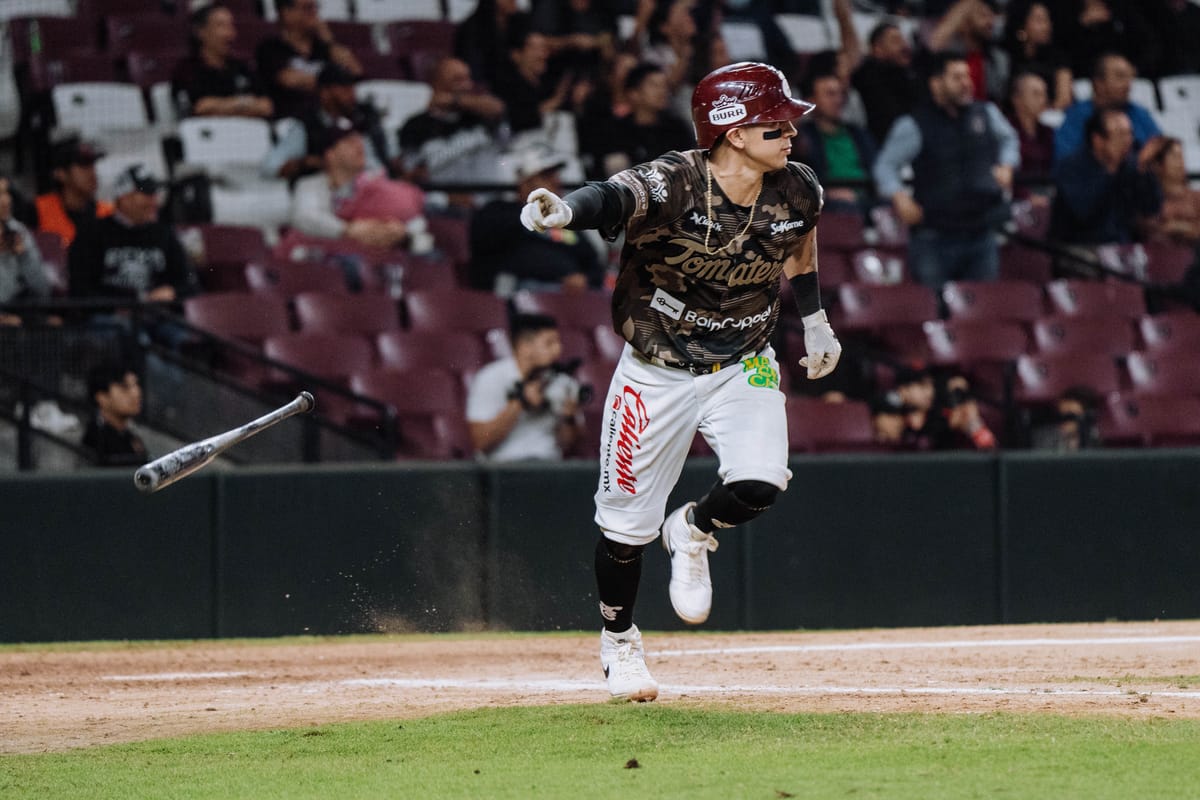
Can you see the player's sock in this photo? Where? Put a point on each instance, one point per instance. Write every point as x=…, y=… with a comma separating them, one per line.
x=618, y=572
x=727, y=505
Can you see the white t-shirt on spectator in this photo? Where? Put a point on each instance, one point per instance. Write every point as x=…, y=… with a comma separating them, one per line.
x=533, y=435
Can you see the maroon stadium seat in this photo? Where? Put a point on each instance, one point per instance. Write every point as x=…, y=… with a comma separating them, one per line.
x=61, y=36
x=1177, y=330
x=1165, y=420
x=963, y=343
x=290, y=278
x=993, y=300
x=1168, y=263
x=332, y=357
x=456, y=309
x=1173, y=372
x=409, y=350
x=1059, y=334
x=879, y=266
x=426, y=402
x=817, y=426
x=54, y=256
x=609, y=344
x=47, y=71
x=1042, y=378
x=1018, y=263
x=144, y=33
x=841, y=230
x=238, y=315
x=583, y=310
x=411, y=37
x=357, y=36
x=1096, y=298
x=864, y=306
x=338, y=312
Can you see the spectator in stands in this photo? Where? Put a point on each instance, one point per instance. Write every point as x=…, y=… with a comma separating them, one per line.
x=290, y=62
x=963, y=153
x=1029, y=39
x=297, y=152
x=1112, y=81
x=524, y=83
x=1106, y=191
x=889, y=417
x=1087, y=29
x=72, y=204
x=459, y=122
x=956, y=422
x=347, y=200
x=837, y=63
x=1179, y=220
x=1073, y=424
x=131, y=254
x=481, y=39
x=969, y=27
x=669, y=41
x=210, y=81
x=1177, y=24
x=521, y=407
x=1027, y=102
x=582, y=33
x=837, y=151
x=885, y=79
x=116, y=399
x=648, y=130
x=502, y=249
x=22, y=273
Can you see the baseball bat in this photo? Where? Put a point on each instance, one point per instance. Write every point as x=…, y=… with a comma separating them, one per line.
x=187, y=459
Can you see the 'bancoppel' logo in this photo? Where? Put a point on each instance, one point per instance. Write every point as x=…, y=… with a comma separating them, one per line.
x=726, y=110
x=713, y=323
x=664, y=303
x=783, y=227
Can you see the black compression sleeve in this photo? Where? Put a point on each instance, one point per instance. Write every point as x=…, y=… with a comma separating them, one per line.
x=603, y=205
x=807, y=292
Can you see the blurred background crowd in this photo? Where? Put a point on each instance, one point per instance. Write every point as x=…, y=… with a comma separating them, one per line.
x=228, y=200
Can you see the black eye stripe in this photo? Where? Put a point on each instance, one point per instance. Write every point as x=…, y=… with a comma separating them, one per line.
x=774, y=134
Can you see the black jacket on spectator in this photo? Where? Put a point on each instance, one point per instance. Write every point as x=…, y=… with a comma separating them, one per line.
x=952, y=175
x=194, y=79
x=111, y=259
x=111, y=447
x=1093, y=207
x=274, y=55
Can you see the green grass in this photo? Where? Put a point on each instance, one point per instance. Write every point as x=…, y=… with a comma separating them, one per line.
x=583, y=752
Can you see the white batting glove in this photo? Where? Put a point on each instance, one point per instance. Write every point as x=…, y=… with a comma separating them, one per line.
x=544, y=209
x=821, y=344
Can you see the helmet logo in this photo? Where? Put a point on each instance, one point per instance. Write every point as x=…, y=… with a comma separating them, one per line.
x=726, y=110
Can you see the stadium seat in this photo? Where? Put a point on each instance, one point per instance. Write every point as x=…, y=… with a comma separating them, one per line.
x=419, y=432
x=840, y=230
x=225, y=251
x=456, y=309
x=1019, y=263
x=380, y=67
x=58, y=36
x=1096, y=298
x=331, y=357
x=335, y=10
x=609, y=344
x=806, y=33
x=289, y=278
x=396, y=101
x=993, y=300
x=1164, y=373
x=1168, y=263
x=863, y=306
x=964, y=343
x=451, y=236
x=815, y=426
x=1154, y=421
x=417, y=273
x=338, y=312
x=389, y=10
x=744, y=40
x=1180, y=92
x=459, y=351
x=238, y=315
x=1042, y=378
x=584, y=310
x=146, y=33
x=1063, y=335
x=224, y=141
x=879, y=266
x=148, y=67
x=358, y=36
x=835, y=269
x=411, y=35
x=1177, y=330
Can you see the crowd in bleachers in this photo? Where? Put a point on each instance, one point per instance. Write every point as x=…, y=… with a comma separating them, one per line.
x=332, y=182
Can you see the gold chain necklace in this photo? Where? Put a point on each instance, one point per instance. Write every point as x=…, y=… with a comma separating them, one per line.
x=708, y=208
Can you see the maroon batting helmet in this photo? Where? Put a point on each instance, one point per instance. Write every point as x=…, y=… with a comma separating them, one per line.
x=742, y=94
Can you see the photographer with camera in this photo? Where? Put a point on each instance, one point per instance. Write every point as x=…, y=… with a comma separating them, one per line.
x=526, y=406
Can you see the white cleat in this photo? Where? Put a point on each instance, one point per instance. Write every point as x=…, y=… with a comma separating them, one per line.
x=688, y=546
x=624, y=663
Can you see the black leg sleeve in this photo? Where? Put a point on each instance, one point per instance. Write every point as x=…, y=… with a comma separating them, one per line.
x=727, y=505
x=618, y=572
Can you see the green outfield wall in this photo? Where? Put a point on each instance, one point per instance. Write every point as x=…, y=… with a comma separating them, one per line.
x=855, y=542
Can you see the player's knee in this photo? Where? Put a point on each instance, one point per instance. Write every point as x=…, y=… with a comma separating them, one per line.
x=619, y=551
x=755, y=495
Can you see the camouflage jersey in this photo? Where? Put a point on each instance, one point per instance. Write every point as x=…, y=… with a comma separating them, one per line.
x=676, y=303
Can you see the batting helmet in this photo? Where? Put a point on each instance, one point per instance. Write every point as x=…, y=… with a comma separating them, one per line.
x=742, y=94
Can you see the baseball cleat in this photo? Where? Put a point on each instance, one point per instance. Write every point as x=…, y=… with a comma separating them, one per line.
x=688, y=546
x=624, y=663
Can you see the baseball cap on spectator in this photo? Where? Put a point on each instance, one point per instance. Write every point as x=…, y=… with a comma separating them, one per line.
x=73, y=151
x=890, y=403
x=912, y=373
x=536, y=159
x=333, y=133
x=333, y=74
x=135, y=178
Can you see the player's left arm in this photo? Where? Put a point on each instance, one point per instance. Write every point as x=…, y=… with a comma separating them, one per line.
x=821, y=345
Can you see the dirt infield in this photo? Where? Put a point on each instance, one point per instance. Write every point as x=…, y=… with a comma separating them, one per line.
x=53, y=701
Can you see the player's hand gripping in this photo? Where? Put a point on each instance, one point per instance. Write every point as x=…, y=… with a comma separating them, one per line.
x=544, y=209
x=821, y=344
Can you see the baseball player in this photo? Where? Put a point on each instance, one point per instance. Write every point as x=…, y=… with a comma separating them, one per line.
x=707, y=234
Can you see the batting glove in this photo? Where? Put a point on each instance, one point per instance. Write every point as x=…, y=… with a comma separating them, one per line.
x=544, y=209
x=821, y=344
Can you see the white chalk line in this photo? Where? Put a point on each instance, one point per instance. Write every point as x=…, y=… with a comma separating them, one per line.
x=176, y=676
x=963, y=644
x=561, y=685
